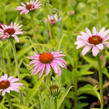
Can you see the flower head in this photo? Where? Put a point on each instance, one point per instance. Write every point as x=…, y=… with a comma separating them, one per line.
x=53, y=19
x=8, y=84
x=95, y=40
x=29, y=6
x=11, y=30
x=47, y=60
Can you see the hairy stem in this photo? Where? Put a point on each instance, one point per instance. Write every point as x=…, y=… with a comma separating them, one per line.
x=100, y=81
x=76, y=88
x=15, y=57
x=2, y=64
x=33, y=32
x=49, y=28
x=55, y=102
x=76, y=80
x=17, y=67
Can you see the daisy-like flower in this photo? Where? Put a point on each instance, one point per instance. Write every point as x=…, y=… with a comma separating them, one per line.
x=8, y=84
x=53, y=19
x=95, y=40
x=45, y=61
x=11, y=30
x=29, y=6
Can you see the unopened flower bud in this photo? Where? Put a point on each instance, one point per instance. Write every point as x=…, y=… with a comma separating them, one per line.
x=54, y=90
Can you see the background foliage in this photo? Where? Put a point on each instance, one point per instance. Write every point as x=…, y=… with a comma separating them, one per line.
x=79, y=82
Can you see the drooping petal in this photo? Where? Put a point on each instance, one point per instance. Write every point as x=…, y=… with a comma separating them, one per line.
x=36, y=66
x=38, y=69
x=106, y=44
x=56, y=68
x=3, y=92
x=14, y=80
x=47, y=69
x=59, y=63
x=100, y=46
x=16, y=38
x=43, y=67
x=86, y=49
x=106, y=38
x=95, y=51
x=105, y=33
x=33, y=62
x=79, y=44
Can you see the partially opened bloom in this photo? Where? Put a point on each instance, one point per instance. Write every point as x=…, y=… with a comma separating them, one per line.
x=53, y=19
x=11, y=30
x=95, y=40
x=45, y=61
x=29, y=6
x=8, y=84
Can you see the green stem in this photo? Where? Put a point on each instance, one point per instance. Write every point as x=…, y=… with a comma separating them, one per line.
x=76, y=88
x=55, y=102
x=32, y=23
x=33, y=45
x=100, y=81
x=17, y=67
x=49, y=28
x=15, y=57
x=9, y=101
x=60, y=42
x=76, y=80
x=33, y=33
x=1, y=61
x=9, y=62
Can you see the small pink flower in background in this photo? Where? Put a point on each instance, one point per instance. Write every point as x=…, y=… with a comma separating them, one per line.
x=8, y=84
x=45, y=61
x=11, y=30
x=29, y=6
x=53, y=19
x=95, y=40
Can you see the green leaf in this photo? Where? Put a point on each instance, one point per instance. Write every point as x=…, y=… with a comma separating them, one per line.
x=86, y=73
x=81, y=105
x=2, y=106
x=105, y=71
x=96, y=92
x=95, y=108
x=88, y=89
x=23, y=51
x=61, y=99
x=92, y=61
x=21, y=106
x=33, y=91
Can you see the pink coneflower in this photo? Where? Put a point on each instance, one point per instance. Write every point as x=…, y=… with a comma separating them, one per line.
x=11, y=30
x=8, y=84
x=53, y=19
x=95, y=41
x=29, y=6
x=53, y=59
